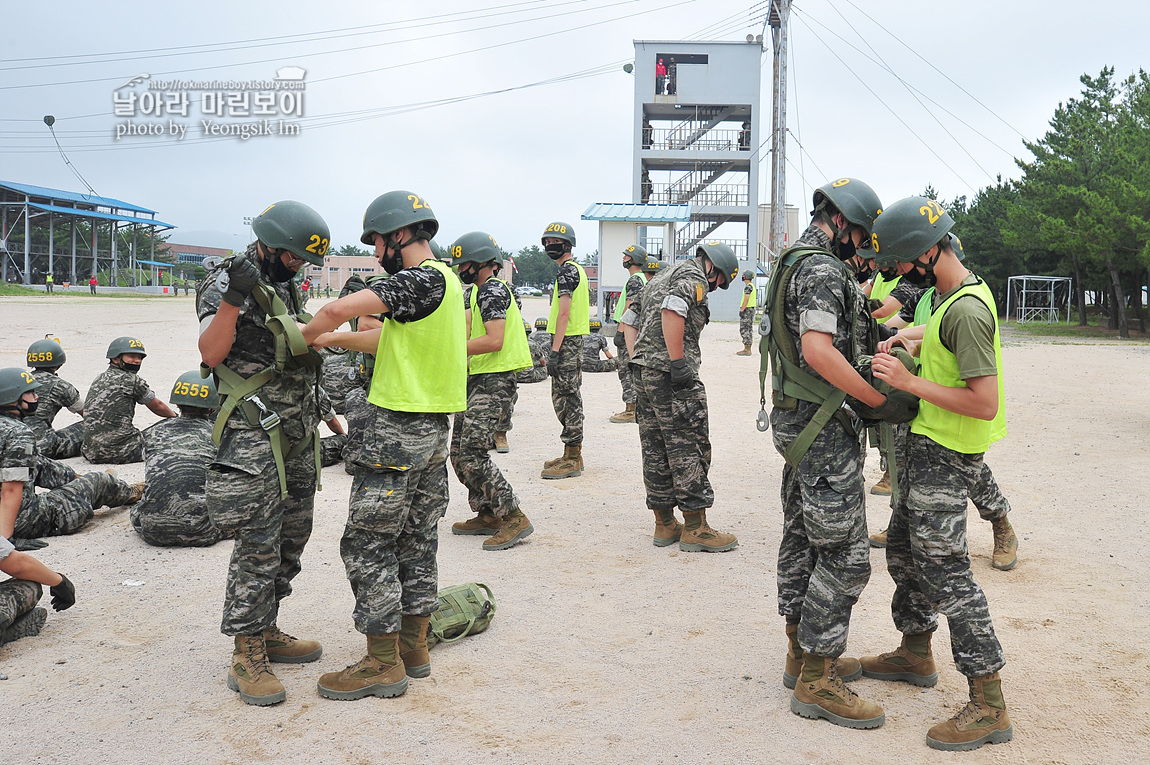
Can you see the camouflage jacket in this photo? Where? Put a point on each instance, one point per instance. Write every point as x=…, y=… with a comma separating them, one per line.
x=55, y=394
x=18, y=457
x=177, y=453
x=109, y=410
x=682, y=289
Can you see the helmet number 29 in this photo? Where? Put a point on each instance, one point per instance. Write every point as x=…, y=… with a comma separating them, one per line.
x=318, y=245
x=932, y=211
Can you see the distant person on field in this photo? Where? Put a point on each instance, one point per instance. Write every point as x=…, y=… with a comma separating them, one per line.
x=109, y=435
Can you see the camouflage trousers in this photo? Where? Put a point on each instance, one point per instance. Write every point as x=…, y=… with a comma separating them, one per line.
x=508, y=409
x=600, y=365
x=61, y=444
x=358, y=413
x=331, y=449
x=398, y=495
x=624, y=370
x=987, y=497
x=487, y=490
x=68, y=509
x=566, y=394
x=243, y=497
x=746, y=325
x=51, y=474
x=160, y=527
x=338, y=380
x=17, y=597
x=928, y=560
x=537, y=373
x=824, y=556
x=131, y=450
x=675, y=439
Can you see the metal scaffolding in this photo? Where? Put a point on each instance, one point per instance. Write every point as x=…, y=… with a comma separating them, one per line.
x=1038, y=298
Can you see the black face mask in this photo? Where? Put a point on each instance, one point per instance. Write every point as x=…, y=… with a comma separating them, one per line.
x=919, y=280
x=863, y=274
x=468, y=277
x=274, y=269
x=890, y=274
x=845, y=250
x=133, y=368
x=28, y=407
x=555, y=250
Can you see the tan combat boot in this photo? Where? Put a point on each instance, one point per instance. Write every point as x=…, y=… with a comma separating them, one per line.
x=627, y=415
x=699, y=537
x=982, y=721
x=484, y=523
x=251, y=675
x=514, y=529
x=820, y=693
x=501, y=446
x=380, y=673
x=912, y=662
x=413, y=646
x=882, y=488
x=1005, y=546
x=569, y=465
x=285, y=649
x=879, y=539
x=667, y=529
x=846, y=668
x=746, y=350
x=137, y=493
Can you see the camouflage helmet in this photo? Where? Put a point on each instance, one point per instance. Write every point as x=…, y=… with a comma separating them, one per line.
x=46, y=354
x=652, y=265
x=192, y=390
x=295, y=227
x=908, y=228
x=14, y=383
x=527, y=326
x=475, y=247
x=748, y=274
x=395, y=210
x=857, y=201
x=723, y=258
x=595, y=325
x=559, y=230
x=122, y=345
x=956, y=245
x=541, y=324
x=636, y=254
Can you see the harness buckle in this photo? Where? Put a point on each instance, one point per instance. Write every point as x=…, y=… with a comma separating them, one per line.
x=268, y=419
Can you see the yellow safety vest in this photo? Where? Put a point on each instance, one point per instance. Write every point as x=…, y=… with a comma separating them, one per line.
x=514, y=356
x=579, y=322
x=958, y=432
x=621, y=306
x=421, y=366
x=881, y=289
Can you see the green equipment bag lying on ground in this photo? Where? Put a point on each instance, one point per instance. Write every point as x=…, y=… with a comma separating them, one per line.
x=464, y=609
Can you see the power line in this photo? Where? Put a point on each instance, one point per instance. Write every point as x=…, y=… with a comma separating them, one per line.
x=935, y=68
x=885, y=105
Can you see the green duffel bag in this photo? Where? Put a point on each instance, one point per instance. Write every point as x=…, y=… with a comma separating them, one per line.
x=464, y=609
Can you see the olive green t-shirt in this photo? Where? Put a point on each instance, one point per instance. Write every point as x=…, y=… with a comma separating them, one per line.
x=967, y=331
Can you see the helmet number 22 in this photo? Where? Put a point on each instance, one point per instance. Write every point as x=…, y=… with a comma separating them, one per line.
x=932, y=211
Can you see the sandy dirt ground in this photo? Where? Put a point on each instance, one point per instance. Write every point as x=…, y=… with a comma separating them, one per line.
x=605, y=648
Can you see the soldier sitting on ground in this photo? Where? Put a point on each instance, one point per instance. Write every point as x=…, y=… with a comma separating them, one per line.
x=45, y=357
x=24, y=514
x=109, y=435
x=173, y=511
x=594, y=345
x=19, y=616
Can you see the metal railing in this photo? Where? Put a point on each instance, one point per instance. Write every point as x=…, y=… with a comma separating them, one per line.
x=682, y=138
x=721, y=195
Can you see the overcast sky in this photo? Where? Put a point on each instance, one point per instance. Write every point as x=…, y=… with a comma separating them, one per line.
x=510, y=163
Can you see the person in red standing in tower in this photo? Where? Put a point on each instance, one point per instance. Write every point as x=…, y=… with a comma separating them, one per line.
x=660, y=77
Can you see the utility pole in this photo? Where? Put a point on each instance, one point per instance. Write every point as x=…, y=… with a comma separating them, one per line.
x=779, y=19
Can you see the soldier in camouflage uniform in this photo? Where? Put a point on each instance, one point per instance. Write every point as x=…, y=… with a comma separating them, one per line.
x=747, y=313
x=496, y=351
x=824, y=560
x=641, y=266
x=568, y=322
x=340, y=375
x=962, y=411
x=109, y=435
x=68, y=507
x=670, y=400
x=19, y=616
x=45, y=357
x=330, y=447
x=173, y=511
x=538, y=371
x=261, y=484
x=399, y=490
x=594, y=346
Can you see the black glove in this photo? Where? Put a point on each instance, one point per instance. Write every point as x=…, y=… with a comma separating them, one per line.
x=243, y=275
x=552, y=359
x=681, y=374
x=63, y=594
x=25, y=545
